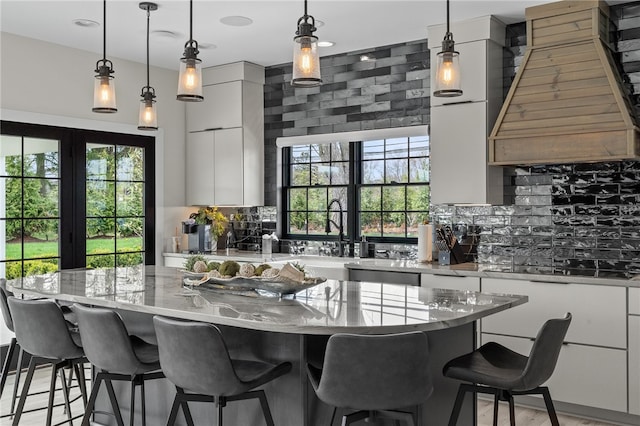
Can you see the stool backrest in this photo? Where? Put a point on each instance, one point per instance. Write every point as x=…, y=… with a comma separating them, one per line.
x=195, y=357
x=376, y=372
x=41, y=329
x=545, y=351
x=105, y=340
x=4, y=307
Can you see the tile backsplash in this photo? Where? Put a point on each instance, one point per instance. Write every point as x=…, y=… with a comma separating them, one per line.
x=569, y=219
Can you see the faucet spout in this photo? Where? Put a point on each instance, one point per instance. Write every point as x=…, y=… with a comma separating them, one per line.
x=338, y=225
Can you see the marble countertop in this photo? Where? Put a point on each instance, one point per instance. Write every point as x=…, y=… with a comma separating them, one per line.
x=486, y=271
x=330, y=307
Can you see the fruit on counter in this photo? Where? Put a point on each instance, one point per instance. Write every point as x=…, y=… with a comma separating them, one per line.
x=229, y=268
x=270, y=272
x=191, y=261
x=261, y=268
x=200, y=266
x=213, y=266
x=247, y=270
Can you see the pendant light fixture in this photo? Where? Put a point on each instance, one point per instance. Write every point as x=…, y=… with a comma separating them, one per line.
x=148, y=118
x=306, y=62
x=190, y=78
x=104, y=88
x=447, y=67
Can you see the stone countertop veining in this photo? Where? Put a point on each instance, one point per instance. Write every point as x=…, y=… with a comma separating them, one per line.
x=485, y=271
x=328, y=308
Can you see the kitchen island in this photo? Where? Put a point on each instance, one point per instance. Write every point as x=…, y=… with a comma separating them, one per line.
x=289, y=328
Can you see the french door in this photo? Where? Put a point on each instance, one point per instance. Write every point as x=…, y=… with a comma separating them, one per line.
x=74, y=198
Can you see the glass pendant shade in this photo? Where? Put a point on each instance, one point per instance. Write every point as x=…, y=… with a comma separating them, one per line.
x=148, y=117
x=306, y=61
x=104, y=94
x=190, y=80
x=447, y=75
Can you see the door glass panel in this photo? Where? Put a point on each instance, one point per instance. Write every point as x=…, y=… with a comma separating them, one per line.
x=29, y=206
x=115, y=205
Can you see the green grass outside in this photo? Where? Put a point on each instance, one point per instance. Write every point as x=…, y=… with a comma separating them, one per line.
x=50, y=248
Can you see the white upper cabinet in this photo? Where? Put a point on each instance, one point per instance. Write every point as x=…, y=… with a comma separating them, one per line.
x=225, y=138
x=460, y=126
x=473, y=78
x=221, y=108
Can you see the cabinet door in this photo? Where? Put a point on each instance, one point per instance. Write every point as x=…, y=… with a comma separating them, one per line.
x=451, y=282
x=599, y=313
x=221, y=108
x=584, y=375
x=634, y=301
x=473, y=73
x=200, y=189
x=229, y=168
x=634, y=364
x=459, y=171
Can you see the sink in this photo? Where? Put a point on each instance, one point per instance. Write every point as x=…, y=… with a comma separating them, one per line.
x=331, y=268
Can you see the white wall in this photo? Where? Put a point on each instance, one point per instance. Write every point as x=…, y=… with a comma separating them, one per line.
x=45, y=83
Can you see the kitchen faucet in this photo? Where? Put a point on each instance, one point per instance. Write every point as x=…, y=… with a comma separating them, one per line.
x=338, y=225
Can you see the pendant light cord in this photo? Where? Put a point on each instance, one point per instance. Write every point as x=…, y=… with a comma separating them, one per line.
x=448, y=17
x=104, y=31
x=148, y=14
x=190, y=20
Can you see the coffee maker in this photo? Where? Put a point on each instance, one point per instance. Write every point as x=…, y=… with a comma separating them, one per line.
x=198, y=237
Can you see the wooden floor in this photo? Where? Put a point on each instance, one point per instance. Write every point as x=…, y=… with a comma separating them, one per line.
x=524, y=416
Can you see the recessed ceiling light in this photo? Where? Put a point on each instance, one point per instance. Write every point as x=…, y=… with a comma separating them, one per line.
x=326, y=43
x=319, y=23
x=236, y=21
x=165, y=34
x=86, y=23
x=207, y=46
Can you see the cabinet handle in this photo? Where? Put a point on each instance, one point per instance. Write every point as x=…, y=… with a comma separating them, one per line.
x=549, y=282
x=446, y=275
x=563, y=343
x=458, y=103
x=210, y=129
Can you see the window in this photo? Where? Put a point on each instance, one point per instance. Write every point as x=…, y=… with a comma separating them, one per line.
x=74, y=198
x=384, y=181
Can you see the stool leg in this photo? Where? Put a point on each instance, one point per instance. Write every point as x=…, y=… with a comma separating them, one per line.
x=495, y=408
x=14, y=397
x=7, y=364
x=265, y=408
x=220, y=407
x=92, y=400
x=114, y=402
x=65, y=392
x=133, y=402
x=52, y=390
x=184, y=403
x=174, y=411
x=550, y=408
x=333, y=415
x=512, y=411
x=79, y=369
x=25, y=391
x=142, y=406
x=457, y=406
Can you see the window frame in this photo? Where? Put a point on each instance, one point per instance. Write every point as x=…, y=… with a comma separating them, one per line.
x=353, y=186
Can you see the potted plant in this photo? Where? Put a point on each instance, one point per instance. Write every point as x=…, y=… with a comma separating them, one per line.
x=211, y=216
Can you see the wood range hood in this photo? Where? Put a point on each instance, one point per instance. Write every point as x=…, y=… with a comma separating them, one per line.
x=567, y=102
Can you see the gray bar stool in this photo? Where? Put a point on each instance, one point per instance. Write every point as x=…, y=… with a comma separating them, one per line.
x=42, y=331
x=118, y=356
x=504, y=373
x=8, y=321
x=374, y=375
x=209, y=374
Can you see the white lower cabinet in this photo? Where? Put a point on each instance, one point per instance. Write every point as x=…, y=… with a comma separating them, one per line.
x=452, y=282
x=599, y=311
x=585, y=375
x=592, y=367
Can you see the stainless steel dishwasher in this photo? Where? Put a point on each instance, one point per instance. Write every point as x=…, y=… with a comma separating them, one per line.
x=389, y=277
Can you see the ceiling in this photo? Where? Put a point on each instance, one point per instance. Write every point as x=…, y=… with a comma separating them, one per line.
x=351, y=24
